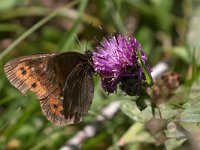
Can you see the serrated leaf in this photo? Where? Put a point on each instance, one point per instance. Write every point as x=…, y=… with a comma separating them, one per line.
x=167, y=111
x=191, y=113
x=131, y=110
x=171, y=144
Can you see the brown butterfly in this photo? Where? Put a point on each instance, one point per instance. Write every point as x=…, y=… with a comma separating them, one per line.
x=63, y=83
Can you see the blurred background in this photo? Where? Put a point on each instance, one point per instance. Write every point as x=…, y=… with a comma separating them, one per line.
x=169, y=31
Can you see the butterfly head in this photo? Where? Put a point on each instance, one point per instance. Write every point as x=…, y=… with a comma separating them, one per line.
x=90, y=64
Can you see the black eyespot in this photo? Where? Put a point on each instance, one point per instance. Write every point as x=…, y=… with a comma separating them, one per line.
x=34, y=85
x=55, y=106
x=23, y=71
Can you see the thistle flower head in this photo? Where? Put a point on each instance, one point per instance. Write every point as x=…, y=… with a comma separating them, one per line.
x=116, y=59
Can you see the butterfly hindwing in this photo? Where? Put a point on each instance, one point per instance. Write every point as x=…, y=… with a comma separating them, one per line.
x=78, y=93
x=52, y=108
x=77, y=86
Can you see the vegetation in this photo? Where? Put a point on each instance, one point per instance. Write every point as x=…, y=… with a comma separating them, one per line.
x=167, y=30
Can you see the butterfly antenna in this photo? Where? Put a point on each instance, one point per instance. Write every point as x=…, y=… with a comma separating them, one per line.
x=104, y=32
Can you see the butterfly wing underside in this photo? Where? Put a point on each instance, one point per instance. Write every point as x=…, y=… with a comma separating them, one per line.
x=29, y=73
x=77, y=88
x=78, y=93
x=46, y=75
x=76, y=100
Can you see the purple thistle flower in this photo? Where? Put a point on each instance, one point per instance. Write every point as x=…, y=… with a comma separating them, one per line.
x=116, y=60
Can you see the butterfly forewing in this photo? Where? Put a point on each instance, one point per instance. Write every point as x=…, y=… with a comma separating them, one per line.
x=29, y=73
x=61, y=65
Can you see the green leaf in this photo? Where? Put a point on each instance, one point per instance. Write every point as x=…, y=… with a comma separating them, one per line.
x=27, y=33
x=69, y=36
x=6, y=4
x=131, y=110
x=194, y=34
x=171, y=144
x=136, y=133
x=191, y=112
x=146, y=72
x=183, y=53
x=194, y=90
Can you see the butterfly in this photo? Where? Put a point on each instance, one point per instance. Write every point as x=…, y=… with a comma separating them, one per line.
x=62, y=82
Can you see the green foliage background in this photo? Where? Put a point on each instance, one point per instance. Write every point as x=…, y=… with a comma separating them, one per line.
x=168, y=31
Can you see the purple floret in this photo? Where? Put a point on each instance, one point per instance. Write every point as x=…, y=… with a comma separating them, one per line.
x=116, y=58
